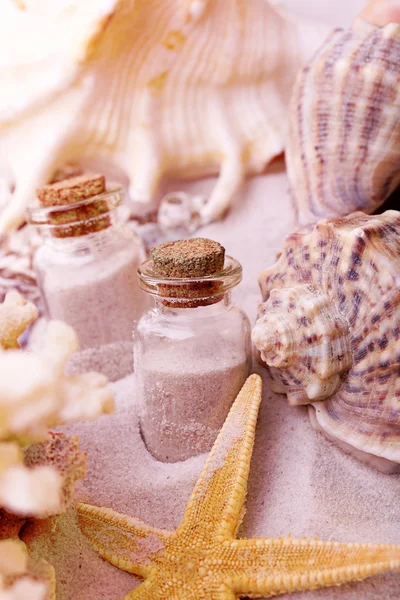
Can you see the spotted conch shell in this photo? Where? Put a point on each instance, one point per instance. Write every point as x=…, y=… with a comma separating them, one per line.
x=343, y=151
x=329, y=329
x=149, y=88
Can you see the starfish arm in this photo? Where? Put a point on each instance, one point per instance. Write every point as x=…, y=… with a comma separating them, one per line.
x=269, y=567
x=126, y=543
x=159, y=588
x=216, y=504
x=144, y=591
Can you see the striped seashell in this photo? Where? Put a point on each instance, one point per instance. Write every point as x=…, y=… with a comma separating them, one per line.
x=144, y=89
x=329, y=329
x=343, y=152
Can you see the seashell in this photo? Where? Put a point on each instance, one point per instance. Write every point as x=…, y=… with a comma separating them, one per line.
x=343, y=152
x=381, y=12
x=329, y=329
x=148, y=88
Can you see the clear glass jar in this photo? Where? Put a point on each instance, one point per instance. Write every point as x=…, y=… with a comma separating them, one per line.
x=192, y=354
x=86, y=269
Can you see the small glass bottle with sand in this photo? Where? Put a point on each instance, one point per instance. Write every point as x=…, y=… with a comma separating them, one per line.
x=86, y=269
x=192, y=351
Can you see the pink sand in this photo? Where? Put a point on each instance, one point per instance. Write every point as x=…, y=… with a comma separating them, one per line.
x=299, y=482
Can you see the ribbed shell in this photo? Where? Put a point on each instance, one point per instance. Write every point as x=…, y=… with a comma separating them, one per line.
x=353, y=262
x=176, y=87
x=343, y=152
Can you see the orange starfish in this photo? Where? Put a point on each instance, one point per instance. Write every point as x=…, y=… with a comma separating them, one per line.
x=202, y=559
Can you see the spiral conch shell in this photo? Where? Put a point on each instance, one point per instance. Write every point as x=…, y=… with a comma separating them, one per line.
x=149, y=87
x=343, y=151
x=329, y=329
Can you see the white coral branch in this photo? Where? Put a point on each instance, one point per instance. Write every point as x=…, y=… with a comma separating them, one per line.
x=25, y=588
x=27, y=491
x=36, y=394
x=34, y=491
x=13, y=558
x=15, y=315
x=38, y=480
x=16, y=582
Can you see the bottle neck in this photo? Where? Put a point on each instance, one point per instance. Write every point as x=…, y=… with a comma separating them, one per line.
x=76, y=244
x=194, y=292
x=116, y=220
x=200, y=312
x=81, y=224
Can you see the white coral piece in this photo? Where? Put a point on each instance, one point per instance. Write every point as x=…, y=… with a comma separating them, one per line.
x=14, y=564
x=36, y=394
x=26, y=491
x=38, y=480
x=30, y=491
x=13, y=558
x=25, y=588
x=15, y=315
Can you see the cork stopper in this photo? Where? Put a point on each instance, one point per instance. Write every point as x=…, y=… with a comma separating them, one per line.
x=78, y=220
x=196, y=257
x=74, y=189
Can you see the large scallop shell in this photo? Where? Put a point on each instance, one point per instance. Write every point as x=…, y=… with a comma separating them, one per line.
x=343, y=152
x=149, y=87
x=329, y=329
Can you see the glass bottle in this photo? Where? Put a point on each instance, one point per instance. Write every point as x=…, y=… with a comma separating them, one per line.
x=192, y=354
x=86, y=269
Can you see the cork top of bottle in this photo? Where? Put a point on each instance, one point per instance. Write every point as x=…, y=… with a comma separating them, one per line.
x=74, y=189
x=195, y=257
x=74, y=215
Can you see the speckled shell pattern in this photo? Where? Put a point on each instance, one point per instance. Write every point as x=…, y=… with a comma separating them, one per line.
x=330, y=328
x=343, y=151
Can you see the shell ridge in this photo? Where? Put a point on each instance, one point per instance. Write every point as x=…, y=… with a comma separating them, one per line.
x=296, y=129
x=345, y=155
x=324, y=114
x=372, y=125
x=352, y=130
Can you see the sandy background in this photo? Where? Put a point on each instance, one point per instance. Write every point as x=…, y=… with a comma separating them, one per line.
x=299, y=483
x=337, y=13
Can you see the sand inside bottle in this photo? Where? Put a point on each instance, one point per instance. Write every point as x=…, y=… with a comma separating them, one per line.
x=87, y=269
x=185, y=399
x=100, y=299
